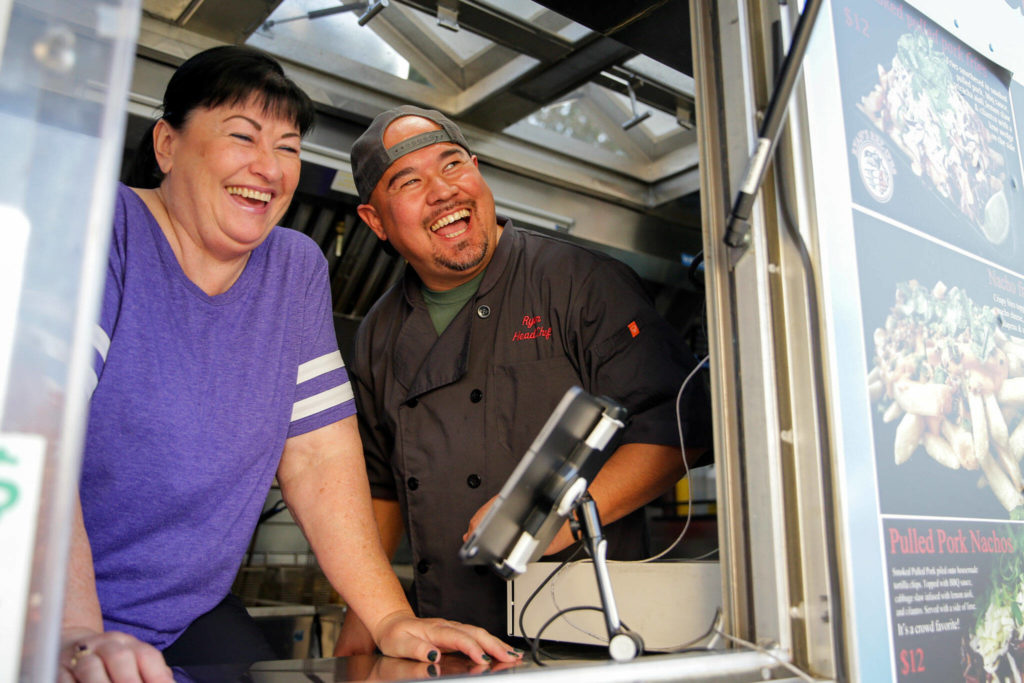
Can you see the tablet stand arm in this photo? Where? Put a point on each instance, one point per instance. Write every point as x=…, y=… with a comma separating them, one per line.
x=623, y=645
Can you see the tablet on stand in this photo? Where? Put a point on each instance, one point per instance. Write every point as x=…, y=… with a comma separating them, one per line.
x=548, y=485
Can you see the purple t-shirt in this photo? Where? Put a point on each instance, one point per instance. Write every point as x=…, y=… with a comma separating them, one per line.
x=194, y=400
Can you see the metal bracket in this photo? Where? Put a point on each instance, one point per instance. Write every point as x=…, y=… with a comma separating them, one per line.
x=448, y=14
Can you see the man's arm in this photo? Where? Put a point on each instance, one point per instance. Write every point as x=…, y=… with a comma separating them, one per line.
x=634, y=475
x=323, y=480
x=389, y=523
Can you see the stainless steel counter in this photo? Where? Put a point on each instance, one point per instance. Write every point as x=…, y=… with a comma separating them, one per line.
x=712, y=667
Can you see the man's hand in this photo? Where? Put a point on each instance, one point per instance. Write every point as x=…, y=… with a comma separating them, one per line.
x=634, y=475
x=562, y=540
x=478, y=517
x=87, y=655
x=401, y=634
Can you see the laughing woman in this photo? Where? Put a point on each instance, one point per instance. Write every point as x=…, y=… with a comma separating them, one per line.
x=216, y=369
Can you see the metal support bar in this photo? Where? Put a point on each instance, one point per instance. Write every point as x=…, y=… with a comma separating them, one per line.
x=738, y=228
x=623, y=645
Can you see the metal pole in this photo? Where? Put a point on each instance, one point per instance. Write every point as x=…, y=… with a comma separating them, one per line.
x=738, y=229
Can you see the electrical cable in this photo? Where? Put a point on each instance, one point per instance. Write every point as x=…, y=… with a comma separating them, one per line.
x=800, y=673
x=818, y=365
x=691, y=272
x=686, y=465
x=554, y=601
x=689, y=510
x=535, y=645
x=711, y=630
x=535, y=649
x=535, y=641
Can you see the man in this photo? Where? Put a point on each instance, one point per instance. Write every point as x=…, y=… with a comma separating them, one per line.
x=459, y=365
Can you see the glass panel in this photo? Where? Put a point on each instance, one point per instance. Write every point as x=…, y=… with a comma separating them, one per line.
x=572, y=118
x=464, y=44
x=531, y=11
x=339, y=34
x=65, y=66
x=656, y=125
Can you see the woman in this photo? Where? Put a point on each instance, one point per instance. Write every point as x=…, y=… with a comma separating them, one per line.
x=217, y=369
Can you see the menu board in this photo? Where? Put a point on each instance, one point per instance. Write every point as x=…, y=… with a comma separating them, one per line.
x=931, y=128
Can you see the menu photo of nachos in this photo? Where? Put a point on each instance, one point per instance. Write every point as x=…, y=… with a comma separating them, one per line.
x=994, y=648
x=918, y=105
x=952, y=380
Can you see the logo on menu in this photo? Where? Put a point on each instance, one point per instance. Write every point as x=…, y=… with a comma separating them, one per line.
x=534, y=330
x=874, y=160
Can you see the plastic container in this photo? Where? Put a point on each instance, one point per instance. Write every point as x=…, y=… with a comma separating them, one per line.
x=65, y=68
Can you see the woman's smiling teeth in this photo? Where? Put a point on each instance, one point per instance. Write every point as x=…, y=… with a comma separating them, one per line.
x=448, y=220
x=250, y=193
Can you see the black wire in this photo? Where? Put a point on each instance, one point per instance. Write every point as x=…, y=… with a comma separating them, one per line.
x=535, y=645
x=691, y=272
x=278, y=507
x=688, y=647
x=824, y=437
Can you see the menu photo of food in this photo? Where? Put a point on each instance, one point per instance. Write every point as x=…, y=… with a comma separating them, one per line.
x=919, y=107
x=951, y=380
x=993, y=649
x=956, y=599
x=931, y=130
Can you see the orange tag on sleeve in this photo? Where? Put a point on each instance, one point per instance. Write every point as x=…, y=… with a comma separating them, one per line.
x=634, y=329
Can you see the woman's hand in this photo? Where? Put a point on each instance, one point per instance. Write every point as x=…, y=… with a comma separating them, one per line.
x=403, y=635
x=354, y=638
x=88, y=656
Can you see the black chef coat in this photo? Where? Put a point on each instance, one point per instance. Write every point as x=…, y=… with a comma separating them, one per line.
x=444, y=420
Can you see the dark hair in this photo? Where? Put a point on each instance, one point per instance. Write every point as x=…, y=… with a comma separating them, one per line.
x=228, y=74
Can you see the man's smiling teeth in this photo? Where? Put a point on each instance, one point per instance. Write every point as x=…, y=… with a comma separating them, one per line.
x=450, y=218
x=250, y=194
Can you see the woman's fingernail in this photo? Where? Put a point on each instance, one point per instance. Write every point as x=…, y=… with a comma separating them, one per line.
x=432, y=655
x=486, y=657
x=515, y=653
x=432, y=671
x=518, y=650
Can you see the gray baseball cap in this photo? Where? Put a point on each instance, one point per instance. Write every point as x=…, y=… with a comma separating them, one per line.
x=370, y=159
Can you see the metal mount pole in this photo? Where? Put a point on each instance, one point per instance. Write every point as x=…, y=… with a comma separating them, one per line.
x=738, y=229
x=623, y=645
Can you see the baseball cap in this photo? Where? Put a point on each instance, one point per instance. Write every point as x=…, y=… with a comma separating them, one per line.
x=370, y=159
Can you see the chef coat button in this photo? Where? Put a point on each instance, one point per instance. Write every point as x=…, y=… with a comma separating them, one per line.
x=413, y=483
x=473, y=480
x=484, y=311
x=423, y=567
x=412, y=403
x=476, y=395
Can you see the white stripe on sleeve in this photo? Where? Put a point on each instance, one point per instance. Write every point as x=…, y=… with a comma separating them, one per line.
x=322, y=401
x=320, y=366
x=100, y=342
